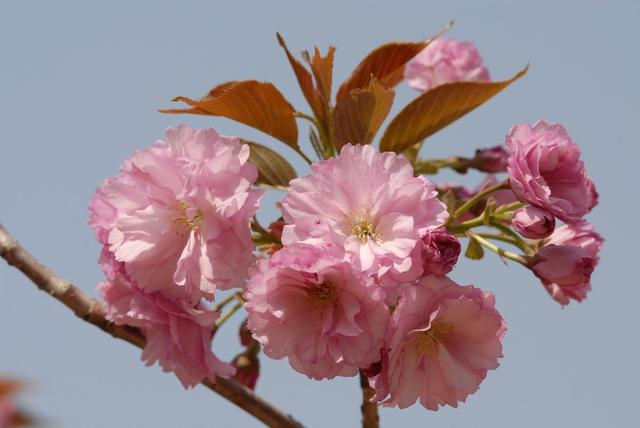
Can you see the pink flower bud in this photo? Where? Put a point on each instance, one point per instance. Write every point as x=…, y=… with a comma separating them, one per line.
x=533, y=223
x=248, y=369
x=440, y=251
x=491, y=160
x=245, y=334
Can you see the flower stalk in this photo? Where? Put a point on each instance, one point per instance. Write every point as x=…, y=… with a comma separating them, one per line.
x=227, y=315
x=493, y=247
x=471, y=202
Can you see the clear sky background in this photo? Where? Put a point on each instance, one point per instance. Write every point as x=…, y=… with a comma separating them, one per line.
x=80, y=83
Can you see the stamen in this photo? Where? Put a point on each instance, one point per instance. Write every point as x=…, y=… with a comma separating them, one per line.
x=322, y=295
x=365, y=230
x=428, y=342
x=189, y=217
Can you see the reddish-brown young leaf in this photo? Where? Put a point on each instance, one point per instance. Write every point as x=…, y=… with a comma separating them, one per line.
x=436, y=109
x=385, y=63
x=358, y=116
x=9, y=387
x=273, y=169
x=305, y=81
x=322, y=68
x=257, y=104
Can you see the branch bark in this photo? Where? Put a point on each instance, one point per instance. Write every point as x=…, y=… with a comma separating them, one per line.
x=90, y=310
x=369, y=410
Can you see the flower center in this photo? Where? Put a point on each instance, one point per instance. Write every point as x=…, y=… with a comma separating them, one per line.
x=365, y=230
x=323, y=295
x=188, y=217
x=427, y=342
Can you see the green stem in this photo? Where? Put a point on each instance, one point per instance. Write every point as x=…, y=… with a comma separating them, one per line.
x=228, y=315
x=477, y=198
x=493, y=247
x=465, y=225
x=522, y=244
x=509, y=207
x=311, y=119
x=499, y=237
x=432, y=166
x=225, y=302
x=306, y=117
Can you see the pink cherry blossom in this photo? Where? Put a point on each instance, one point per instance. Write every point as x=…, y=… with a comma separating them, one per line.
x=441, y=341
x=545, y=170
x=534, y=223
x=368, y=203
x=178, y=213
x=566, y=263
x=307, y=304
x=444, y=61
x=178, y=335
x=580, y=235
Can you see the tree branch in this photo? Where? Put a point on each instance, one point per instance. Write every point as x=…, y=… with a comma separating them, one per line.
x=369, y=410
x=90, y=310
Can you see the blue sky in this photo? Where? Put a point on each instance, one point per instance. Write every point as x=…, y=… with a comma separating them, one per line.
x=79, y=87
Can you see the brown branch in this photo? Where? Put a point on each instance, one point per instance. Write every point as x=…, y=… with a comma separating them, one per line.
x=369, y=409
x=90, y=310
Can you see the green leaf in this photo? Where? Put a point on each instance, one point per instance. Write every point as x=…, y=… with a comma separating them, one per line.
x=273, y=170
x=316, y=143
x=450, y=199
x=474, y=250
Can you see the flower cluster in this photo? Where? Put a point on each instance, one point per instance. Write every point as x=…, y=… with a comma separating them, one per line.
x=353, y=278
x=363, y=235
x=545, y=171
x=175, y=227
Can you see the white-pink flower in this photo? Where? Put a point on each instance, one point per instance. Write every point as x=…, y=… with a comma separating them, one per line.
x=441, y=341
x=178, y=335
x=368, y=203
x=445, y=61
x=306, y=304
x=178, y=213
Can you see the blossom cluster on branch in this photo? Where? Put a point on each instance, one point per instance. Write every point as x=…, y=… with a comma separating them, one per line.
x=354, y=275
